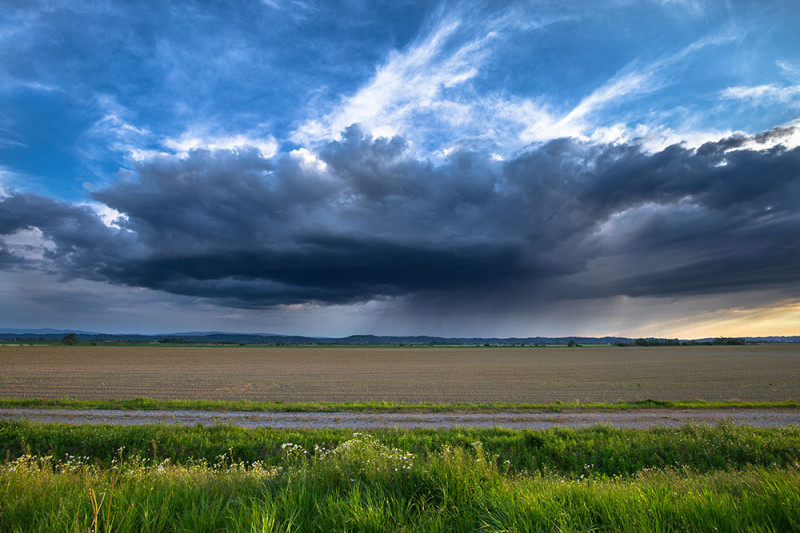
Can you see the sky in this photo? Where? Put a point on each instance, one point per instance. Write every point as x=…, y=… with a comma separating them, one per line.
x=401, y=168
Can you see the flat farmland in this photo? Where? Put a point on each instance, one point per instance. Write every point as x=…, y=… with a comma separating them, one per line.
x=411, y=375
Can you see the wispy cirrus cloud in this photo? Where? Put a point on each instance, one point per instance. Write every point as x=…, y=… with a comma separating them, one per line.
x=411, y=84
x=427, y=88
x=116, y=131
x=769, y=94
x=792, y=68
x=195, y=140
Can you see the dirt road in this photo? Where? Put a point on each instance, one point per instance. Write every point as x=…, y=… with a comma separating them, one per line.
x=356, y=420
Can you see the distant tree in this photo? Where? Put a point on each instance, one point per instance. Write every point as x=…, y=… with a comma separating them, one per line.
x=172, y=340
x=69, y=339
x=729, y=341
x=571, y=343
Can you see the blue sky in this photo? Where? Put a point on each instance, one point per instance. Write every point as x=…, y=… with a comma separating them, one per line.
x=497, y=168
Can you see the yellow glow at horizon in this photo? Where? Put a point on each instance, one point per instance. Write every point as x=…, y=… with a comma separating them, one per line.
x=780, y=320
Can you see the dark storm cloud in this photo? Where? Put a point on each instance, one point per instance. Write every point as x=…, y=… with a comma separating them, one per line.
x=777, y=132
x=327, y=269
x=369, y=220
x=8, y=259
x=83, y=245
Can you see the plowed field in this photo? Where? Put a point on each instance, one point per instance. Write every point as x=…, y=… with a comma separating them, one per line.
x=440, y=375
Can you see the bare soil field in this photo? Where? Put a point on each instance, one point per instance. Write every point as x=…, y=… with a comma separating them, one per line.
x=413, y=375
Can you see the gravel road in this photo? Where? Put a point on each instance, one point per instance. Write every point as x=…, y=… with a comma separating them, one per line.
x=355, y=420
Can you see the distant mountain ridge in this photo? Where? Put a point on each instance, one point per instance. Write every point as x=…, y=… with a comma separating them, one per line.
x=45, y=331
x=216, y=337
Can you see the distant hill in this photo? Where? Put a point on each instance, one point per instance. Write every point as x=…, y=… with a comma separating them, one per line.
x=44, y=331
x=27, y=335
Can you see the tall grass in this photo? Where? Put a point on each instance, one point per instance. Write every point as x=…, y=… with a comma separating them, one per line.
x=609, y=451
x=363, y=484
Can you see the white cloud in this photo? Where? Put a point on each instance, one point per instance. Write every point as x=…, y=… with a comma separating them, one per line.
x=140, y=144
x=416, y=82
x=6, y=142
x=425, y=90
x=616, y=89
x=114, y=130
x=29, y=244
x=9, y=83
x=188, y=141
x=409, y=84
x=656, y=138
x=539, y=123
x=585, y=120
x=789, y=139
x=765, y=94
x=790, y=68
x=108, y=215
x=138, y=154
x=631, y=82
x=308, y=160
x=533, y=122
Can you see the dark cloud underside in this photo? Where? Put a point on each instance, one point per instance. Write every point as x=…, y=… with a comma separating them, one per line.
x=369, y=220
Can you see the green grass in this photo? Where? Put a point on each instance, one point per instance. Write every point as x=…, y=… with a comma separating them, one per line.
x=407, y=481
x=378, y=407
x=566, y=452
